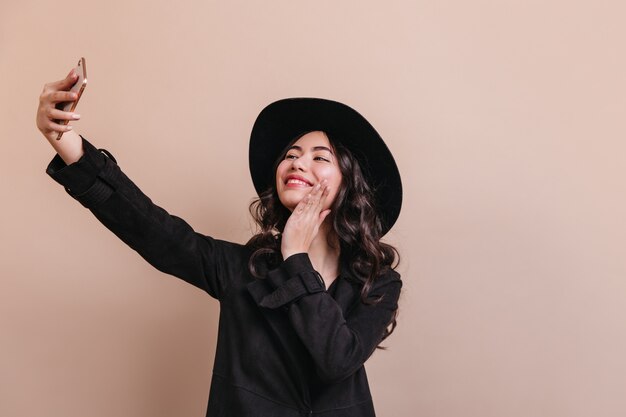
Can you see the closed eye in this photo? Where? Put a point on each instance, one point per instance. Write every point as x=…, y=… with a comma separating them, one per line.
x=292, y=156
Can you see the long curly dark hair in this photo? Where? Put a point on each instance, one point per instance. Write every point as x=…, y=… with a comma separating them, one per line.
x=355, y=223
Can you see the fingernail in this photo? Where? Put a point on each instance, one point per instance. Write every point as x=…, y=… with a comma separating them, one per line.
x=69, y=128
x=76, y=116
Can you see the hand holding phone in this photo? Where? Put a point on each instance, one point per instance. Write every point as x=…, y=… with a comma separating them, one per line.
x=51, y=120
x=77, y=88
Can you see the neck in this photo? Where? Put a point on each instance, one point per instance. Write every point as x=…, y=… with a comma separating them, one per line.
x=325, y=256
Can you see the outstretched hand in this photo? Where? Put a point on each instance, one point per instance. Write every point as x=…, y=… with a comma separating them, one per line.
x=305, y=221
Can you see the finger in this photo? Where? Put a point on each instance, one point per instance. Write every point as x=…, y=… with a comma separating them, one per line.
x=56, y=127
x=313, y=192
x=314, y=195
x=321, y=197
x=65, y=83
x=61, y=96
x=301, y=205
x=57, y=114
x=312, y=199
x=323, y=184
x=325, y=195
x=325, y=189
x=323, y=215
x=309, y=201
x=310, y=209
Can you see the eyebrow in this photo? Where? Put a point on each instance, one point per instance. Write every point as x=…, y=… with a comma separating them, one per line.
x=315, y=148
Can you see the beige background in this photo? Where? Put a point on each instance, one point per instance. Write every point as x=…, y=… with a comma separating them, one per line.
x=507, y=120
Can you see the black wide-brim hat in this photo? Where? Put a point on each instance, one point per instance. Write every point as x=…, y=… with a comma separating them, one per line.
x=282, y=121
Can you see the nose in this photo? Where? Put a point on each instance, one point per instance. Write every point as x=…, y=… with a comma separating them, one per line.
x=297, y=164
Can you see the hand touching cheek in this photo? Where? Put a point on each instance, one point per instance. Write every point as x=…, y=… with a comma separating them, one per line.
x=305, y=221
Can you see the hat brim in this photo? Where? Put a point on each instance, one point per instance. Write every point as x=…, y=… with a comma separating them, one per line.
x=284, y=120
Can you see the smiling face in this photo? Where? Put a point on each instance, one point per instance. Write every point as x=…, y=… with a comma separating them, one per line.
x=307, y=162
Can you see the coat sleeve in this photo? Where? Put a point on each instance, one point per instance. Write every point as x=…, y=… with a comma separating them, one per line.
x=338, y=345
x=167, y=242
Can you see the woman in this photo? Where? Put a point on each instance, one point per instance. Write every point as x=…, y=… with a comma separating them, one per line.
x=308, y=299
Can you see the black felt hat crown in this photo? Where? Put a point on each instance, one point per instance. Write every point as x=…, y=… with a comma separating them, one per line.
x=282, y=121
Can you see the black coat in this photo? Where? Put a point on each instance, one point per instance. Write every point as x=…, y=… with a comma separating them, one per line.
x=287, y=346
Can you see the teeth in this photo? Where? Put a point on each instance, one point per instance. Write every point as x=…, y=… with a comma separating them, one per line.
x=295, y=181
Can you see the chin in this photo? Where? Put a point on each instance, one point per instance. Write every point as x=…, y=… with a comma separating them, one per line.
x=289, y=204
x=290, y=199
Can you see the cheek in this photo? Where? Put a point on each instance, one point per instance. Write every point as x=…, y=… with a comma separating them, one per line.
x=279, y=172
x=280, y=168
x=331, y=173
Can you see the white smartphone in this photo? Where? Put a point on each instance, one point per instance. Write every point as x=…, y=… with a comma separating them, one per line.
x=78, y=88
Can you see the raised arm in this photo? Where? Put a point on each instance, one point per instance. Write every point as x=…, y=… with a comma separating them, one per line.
x=92, y=177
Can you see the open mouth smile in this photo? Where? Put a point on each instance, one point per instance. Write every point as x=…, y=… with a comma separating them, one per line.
x=297, y=181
